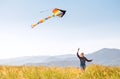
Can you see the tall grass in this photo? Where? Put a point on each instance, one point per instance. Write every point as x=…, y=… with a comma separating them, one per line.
x=101, y=72
x=33, y=72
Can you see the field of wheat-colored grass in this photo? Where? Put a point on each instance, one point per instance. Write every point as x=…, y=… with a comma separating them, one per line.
x=42, y=72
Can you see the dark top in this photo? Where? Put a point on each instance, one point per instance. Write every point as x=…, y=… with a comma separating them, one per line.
x=83, y=60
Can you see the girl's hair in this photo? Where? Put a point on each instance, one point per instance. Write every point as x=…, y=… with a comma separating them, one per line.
x=82, y=54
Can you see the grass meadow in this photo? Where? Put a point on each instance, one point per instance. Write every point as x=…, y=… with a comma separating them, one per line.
x=42, y=72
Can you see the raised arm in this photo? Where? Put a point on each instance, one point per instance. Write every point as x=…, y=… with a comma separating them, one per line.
x=78, y=52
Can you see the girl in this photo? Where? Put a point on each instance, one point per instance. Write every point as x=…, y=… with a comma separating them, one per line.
x=83, y=60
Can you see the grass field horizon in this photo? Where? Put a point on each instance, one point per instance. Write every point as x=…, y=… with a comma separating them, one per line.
x=44, y=72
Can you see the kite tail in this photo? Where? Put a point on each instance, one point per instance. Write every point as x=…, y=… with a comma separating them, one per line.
x=42, y=20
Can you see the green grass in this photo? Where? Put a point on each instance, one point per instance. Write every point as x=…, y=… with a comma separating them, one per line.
x=32, y=72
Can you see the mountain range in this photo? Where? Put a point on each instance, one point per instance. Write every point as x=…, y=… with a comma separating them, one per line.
x=105, y=56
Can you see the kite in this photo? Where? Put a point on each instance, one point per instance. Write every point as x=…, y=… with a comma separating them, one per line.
x=56, y=12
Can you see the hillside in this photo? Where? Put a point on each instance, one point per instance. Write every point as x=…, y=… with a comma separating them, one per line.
x=104, y=57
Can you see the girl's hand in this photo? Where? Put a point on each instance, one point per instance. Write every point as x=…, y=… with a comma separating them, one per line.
x=78, y=49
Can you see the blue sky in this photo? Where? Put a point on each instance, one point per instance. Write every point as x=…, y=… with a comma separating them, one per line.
x=88, y=24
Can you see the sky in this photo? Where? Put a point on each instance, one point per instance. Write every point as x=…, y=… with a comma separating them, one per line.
x=88, y=24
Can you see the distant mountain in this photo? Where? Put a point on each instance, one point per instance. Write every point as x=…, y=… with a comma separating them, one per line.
x=61, y=60
x=104, y=57
x=23, y=60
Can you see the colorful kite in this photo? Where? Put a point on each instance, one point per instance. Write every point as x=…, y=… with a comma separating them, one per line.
x=56, y=12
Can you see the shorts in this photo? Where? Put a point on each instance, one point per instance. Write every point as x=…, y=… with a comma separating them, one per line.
x=83, y=66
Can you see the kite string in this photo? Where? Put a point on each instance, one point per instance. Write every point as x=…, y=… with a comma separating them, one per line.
x=44, y=11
